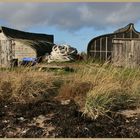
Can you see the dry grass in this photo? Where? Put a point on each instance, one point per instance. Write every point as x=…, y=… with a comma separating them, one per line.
x=96, y=88
x=74, y=90
x=25, y=85
x=107, y=88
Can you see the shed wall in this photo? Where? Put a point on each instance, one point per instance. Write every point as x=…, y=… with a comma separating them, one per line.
x=5, y=53
x=21, y=50
x=10, y=49
x=101, y=47
x=2, y=36
x=126, y=52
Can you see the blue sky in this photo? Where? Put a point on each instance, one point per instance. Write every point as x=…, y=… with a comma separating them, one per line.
x=70, y=23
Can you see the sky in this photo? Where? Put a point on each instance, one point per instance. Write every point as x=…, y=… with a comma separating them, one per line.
x=70, y=23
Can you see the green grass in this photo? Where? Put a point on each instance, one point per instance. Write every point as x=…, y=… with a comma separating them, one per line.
x=112, y=88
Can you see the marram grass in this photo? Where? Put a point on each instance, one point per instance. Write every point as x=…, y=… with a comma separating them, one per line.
x=96, y=88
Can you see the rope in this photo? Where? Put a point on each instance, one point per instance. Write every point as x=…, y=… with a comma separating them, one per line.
x=62, y=53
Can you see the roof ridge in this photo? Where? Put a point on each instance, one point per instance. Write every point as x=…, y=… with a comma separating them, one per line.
x=4, y=27
x=125, y=28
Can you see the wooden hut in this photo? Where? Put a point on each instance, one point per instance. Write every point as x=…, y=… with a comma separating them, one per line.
x=126, y=52
x=15, y=45
x=121, y=47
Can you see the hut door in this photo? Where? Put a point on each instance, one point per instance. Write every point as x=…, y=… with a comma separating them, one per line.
x=130, y=62
x=5, y=53
x=131, y=53
x=118, y=57
x=133, y=56
x=126, y=53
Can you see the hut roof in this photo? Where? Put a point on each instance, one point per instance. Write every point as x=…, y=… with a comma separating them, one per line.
x=42, y=43
x=127, y=28
x=17, y=34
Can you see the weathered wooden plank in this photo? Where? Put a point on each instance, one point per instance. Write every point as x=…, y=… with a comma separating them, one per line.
x=126, y=52
x=5, y=53
x=106, y=48
x=100, y=49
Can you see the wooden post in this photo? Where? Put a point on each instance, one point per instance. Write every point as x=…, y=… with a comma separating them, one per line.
x=95, y=49
x=130, y=33
x=106, y=48
x=100, y=49
x=123, y=35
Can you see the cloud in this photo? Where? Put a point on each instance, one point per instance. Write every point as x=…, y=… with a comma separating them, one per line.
x=69, y=16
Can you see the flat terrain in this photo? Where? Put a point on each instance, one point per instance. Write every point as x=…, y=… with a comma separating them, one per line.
x=52, y=119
